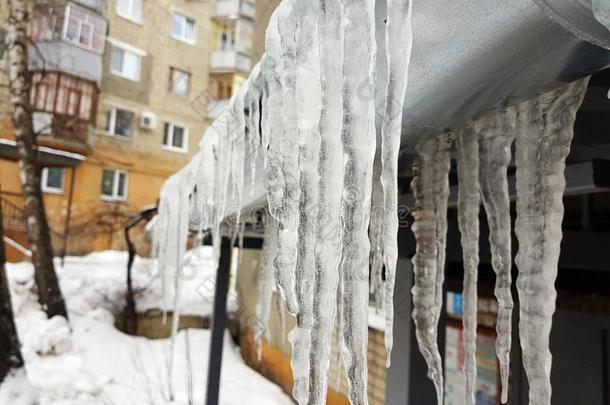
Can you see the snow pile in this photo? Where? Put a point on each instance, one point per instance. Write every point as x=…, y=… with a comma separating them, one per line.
x=98, y=280
x=47, y=337
x=17, y=390
x=89, y=362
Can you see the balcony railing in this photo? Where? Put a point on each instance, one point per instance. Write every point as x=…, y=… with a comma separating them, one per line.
x=229, y=60
x=69, y=38
x=65, y=107
x=235, y=9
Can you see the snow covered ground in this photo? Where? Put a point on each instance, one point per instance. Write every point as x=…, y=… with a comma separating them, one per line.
x=89, y=362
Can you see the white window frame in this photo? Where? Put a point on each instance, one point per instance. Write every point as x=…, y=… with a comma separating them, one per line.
x=181, y=37
x=130, y=17
x=91, y=21
x=115, y=186
x=170, y=140
x=44, y=178
x=112, y=133
x=139, y=54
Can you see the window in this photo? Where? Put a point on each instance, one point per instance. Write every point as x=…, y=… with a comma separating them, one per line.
x=175, y=137
x=64, y=95
x=130, y=9
x=221, y=86
x=179, y=82
x=114, y=185
x=183, y=28
x=125, y=63
x=47, y=22
x=53, y=180
x=119, y=122
x=84, y=29
x=226, y=35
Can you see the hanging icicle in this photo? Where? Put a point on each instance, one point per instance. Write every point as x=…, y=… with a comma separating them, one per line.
x=307, y=97
x=330, y=167
x=467, y=145
x=283, y=170
x=496, y=135
x=359, y=143
x=431, y=190
x=266, y=281
x=544, y=133
x=399, y=41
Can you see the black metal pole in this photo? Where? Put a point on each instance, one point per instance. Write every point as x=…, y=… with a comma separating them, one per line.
x=219, y=319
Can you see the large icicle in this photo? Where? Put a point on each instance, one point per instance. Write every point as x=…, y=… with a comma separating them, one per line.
x=496, y=135
x=285, y=260
x=265, y=283
x=328, y=232
x=274, y=135
x=308, y=98
x=467, y=143
x=359, y=143
x=545, y=131
x=237, y=137
x=431, y=189
x=171, y=235
x=399, y=41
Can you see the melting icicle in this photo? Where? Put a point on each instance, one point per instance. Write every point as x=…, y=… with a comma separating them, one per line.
x=431, y=189
x=330, y=166
x=173, y=235
x=254, y=136
x=237, y=137
x=285, y=260
x=308, y=95
x=359, y=143
x=545, y=131
x=282, y=156
x=467, y=143
x=496, y=135
x=399, y=41
x=265, y=283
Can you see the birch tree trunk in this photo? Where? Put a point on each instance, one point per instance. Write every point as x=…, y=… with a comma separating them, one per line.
x=10, y=355
x=49, y=294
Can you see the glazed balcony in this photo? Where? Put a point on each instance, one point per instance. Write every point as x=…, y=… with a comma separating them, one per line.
x=69, y=38
x=64, y=110
x=235, y=9
x=230, y=60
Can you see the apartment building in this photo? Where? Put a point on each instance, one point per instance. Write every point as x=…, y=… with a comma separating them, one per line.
x=65, y=58
x=149, y=122
x=122, y=92
x=232, y=44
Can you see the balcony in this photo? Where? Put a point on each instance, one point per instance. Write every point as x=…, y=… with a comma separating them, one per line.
x=230, y=61
x=69, y=38
x=62, y=132
x=64, y=109
x=233, y=9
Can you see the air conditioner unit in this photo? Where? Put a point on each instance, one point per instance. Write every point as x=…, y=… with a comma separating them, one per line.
x=148, y=120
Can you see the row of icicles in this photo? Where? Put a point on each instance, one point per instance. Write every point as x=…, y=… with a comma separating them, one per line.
x=302, y=117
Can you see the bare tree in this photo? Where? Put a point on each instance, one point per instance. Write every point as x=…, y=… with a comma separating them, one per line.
x=49, y=294
x=10, y=355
